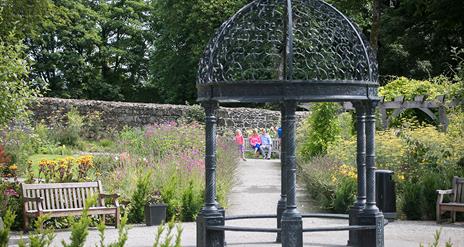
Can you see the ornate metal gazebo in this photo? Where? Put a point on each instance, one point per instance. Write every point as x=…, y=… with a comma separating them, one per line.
x=287, y=52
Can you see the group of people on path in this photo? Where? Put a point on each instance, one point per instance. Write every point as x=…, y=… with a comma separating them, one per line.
x=261, y=143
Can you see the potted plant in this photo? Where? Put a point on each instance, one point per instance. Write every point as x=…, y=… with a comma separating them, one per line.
x=155, y=210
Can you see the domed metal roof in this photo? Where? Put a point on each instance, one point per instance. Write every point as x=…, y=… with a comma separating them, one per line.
x=276, y=50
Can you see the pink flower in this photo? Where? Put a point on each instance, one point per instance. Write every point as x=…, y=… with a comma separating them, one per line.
x=11, y=192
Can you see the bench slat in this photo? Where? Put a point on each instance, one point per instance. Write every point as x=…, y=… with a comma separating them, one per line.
x=47, y=199
x=60, y=193
x=74, y=195
x=84, y=195
x=68, y=198
x=60, y=185
x=52, y=198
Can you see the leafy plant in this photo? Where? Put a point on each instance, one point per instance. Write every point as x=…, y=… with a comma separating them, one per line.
x=345, y=194
x=436, y=240
x=169, y=235
x=40, y=237
x=16, y=90
x=122, y=233
x=70, y=134
x=80, y=228
x=140, y=198
x=8, y=220
x=323, y=128
x=191, y=202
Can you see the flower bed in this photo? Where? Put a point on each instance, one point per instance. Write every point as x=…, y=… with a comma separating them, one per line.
x=159, y=162
x=422, y=158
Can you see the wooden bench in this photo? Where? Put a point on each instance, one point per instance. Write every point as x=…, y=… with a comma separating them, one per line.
x=456, y=203
x=66, y=199
x=275, y=146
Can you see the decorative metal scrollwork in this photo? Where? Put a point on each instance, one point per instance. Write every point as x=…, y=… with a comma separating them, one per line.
x=251, y=45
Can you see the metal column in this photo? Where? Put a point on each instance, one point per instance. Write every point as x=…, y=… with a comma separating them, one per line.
x=281, y=204
x=360, y=203
x=292, y=224
x=210, y=215
x=371, y=214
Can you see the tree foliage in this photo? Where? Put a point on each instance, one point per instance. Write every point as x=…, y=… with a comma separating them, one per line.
x=184, y=28
x=148, y=50
x=323, y=127
x=417, y=37
x=93, y=49
x=16, y=92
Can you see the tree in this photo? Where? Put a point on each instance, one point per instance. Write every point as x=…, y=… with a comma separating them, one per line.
x=93, y=49
x=183, y=29
x=417, y=37
x=16, y=92
x=22, y=17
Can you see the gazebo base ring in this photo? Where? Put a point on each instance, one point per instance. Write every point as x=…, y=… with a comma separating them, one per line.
x=276, y=230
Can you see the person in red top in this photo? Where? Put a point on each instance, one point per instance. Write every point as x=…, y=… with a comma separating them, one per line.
x=239, y=141
x=255, y=142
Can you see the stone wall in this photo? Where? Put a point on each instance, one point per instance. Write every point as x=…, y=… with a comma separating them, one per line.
x=116, y=115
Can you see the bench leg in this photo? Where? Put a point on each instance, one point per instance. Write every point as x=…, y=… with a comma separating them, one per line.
x=453, y=216
x=118, y=218
x=438, y=214
x=25, y=223
x=102, y=218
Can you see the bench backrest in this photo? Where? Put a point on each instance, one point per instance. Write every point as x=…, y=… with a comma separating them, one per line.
x=275, y=144
x=458, y=189
x=61, y=195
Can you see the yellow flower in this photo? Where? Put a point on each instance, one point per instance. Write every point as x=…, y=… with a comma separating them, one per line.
x=43, y=163
x=85, y=160
x=13, y=167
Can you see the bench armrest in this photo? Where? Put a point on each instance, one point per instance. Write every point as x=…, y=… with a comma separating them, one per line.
x=114, y=196
x=441, y=193
x=104, y=195
x=445, y=192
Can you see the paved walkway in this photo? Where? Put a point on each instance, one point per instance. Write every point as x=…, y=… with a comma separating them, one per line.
x=257, y=193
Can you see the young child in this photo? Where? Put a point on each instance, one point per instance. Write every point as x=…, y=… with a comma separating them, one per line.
x=255, y=142
x=239, y=141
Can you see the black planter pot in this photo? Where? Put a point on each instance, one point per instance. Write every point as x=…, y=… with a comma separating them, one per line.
x=155, y=214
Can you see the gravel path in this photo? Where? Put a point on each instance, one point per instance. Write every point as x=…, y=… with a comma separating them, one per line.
x=257, y=192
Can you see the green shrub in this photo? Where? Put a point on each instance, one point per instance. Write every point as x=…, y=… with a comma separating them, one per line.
x=40, y=237
x=8, y=220
x=317, y=179
x=411, y=196
x=345, y=194
x=140, y=199
x=122, y=233
x=10, y=200
x=322, y=128
x=192, y=201
x=167, y=229
x=409, y=88
x=70, y=134
x=80, y=228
